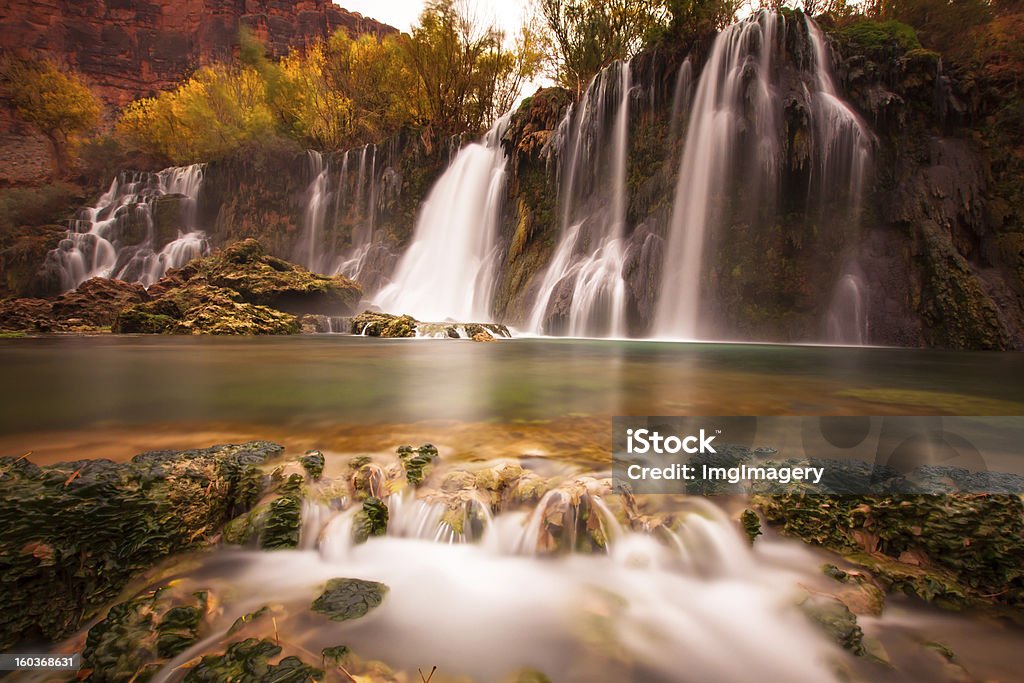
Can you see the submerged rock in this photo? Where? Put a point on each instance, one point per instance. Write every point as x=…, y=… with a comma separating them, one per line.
x=345, y=599
x=76, y=532
x=248, y=661
x=136, y=636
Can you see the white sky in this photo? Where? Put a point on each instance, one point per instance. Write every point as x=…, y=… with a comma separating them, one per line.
x=402, y=14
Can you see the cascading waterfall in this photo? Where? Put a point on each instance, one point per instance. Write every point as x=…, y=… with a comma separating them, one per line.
x=847, y=321
x=583, y=292
x=119, y=236
x=318, y=196
x=696, y=602
x=733, y=137
x=448, y=270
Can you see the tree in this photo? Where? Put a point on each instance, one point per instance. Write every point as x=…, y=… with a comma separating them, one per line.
x=588, y=35
x=53, y=100
x=466, y=73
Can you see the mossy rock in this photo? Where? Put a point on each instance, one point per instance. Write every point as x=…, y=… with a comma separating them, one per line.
x=346, y=599
x=136, y=636
x=371, y=324
x=283, y=524
x=76, y=532
x=957, y=550
x=248, y=661
x=313, y=463
x=838, y=622
x=371, y=520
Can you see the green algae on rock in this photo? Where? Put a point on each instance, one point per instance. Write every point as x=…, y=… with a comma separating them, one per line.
x=76, y=532
x=135, y=637
x=345, y=599
x=248, y=661
x=957, y=550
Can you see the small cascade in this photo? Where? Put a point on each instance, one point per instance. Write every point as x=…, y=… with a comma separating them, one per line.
x=583, y=292
x=436, y=521
x=733, y=156
x=573, y=519
x=308, y=251
x=123, y=237
x=448, y=270
x=682, y=96
x=847, y=321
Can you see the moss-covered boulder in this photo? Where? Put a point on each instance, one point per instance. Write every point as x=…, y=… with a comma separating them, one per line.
x=371, y=324
x=345, y=599
x=264, y=280
x=957, y=550
x=371, y=520
x=196, y=307
x=94, y=306
x=76, y=532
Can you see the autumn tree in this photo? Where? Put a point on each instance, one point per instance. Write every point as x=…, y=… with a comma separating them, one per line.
x=467, y=74
x=215, y=111
x=53, y=100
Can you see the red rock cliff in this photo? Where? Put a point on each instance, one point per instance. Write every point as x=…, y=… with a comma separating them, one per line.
x=132, y=48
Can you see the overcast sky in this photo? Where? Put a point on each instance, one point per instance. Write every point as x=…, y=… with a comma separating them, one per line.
x=402, y=14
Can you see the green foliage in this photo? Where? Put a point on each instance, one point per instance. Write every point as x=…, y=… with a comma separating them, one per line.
x=940, y=24
x=871, y=35
x=691, y=18
x=346, y=599
x=588, y=35
x=467, y=76
x=54, y=100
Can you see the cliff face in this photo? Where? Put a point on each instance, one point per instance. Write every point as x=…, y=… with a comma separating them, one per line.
x=132, y=48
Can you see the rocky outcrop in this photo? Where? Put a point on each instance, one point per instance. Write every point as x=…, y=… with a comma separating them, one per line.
x=131, y=49
x=374, y=324
x=92, y=307
x=76, y=532
x=240, y=290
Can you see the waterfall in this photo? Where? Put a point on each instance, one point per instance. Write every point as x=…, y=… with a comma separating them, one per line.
x=309, y=250
x=122, y=237
x=448, y=270
x=583, y=292
x=846, y=321
x=732, y=151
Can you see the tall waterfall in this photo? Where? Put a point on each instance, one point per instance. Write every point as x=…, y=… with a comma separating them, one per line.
x=733, y=139
x=583, y=292
x=448, y=270
x=121, y=236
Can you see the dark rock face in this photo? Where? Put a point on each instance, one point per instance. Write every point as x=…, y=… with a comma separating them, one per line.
x=131, y=49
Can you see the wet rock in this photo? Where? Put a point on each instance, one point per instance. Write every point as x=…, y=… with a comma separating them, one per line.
x=370, y=324
x=94, y=306
x=371, y=520
x=313, y=463
x=838, y=622
x=27, y=315
x=957, y=550
x=76, y=532
x=858, y=591
x=751, y=524
x=283, y=524
x=135, y=637
x=345, y=599
x=264, y=280
x=248, y=661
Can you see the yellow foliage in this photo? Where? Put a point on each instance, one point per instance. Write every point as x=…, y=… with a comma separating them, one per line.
x=214, y=112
